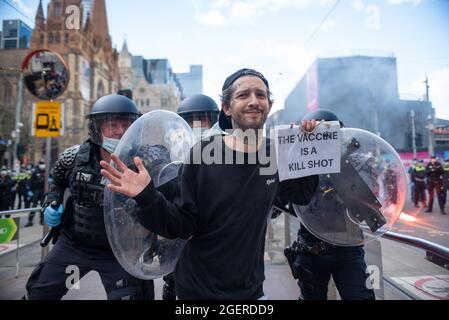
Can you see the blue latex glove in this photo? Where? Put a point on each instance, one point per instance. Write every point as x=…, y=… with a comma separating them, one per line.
x=52, y=217
x=30, y=194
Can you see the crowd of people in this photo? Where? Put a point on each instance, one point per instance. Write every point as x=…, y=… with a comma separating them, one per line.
x=221, y=210
x=432, y=177
x=22, y=189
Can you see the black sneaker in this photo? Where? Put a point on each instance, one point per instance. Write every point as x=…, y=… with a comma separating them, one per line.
x=29, y=224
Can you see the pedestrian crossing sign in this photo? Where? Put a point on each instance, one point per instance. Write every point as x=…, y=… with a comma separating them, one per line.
x=47, y=119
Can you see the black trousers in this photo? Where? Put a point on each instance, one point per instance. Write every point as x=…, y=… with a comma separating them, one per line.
x=26, y=199
x=52, y=278
x=438, y=187
x=347, y=267
x=445, y=190
x=37, y=198
x=419, y=193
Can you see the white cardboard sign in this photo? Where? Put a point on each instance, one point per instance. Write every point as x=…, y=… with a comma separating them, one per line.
x=301, y=154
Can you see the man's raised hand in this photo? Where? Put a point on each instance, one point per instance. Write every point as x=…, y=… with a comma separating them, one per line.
x=308, y=125
x=125, y=180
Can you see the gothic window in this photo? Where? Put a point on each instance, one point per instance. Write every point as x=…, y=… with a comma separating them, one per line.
x=148, y=102
x=66, y=37
x=42, y=40
x=58, y=9
x=57, y=37
x=51, y=38
x=100, y=89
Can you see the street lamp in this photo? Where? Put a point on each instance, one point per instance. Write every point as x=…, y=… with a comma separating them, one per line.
x=430, y=126
x=412, y=115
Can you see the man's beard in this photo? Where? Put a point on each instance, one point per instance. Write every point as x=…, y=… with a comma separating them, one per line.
x=242, y=125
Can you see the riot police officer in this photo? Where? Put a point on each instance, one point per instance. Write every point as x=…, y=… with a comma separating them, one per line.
x=418, y=176
x=313, y=261
x=37, y=182
x=434, y=171
x=83, y=241
x=410, y=171
x=445, y=180
x=22, y=187
x=390, y=184
x=5, y=187
x=200, y=112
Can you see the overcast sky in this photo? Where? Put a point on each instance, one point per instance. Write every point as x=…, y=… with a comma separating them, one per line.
x=281, y=38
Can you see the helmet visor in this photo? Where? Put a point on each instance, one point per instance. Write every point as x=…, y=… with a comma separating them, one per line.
x=200, y=119
x=110, y=126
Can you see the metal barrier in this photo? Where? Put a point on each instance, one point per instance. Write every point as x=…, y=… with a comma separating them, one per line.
x=18, y=214
x=435, y=253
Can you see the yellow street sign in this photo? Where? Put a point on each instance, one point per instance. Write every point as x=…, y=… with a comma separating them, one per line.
x=47, y=119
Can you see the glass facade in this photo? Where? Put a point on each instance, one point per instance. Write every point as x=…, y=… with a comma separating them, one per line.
x=16, y=35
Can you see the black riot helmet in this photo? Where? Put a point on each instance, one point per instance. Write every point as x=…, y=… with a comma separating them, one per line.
x=113, y=114
x=322, y=114
x=199, y=107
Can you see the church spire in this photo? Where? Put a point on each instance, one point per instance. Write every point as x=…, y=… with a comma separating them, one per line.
x=125, y=48
x=40, y=19
x=99, y=19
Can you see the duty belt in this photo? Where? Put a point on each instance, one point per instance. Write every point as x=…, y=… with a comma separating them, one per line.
x=315, y=247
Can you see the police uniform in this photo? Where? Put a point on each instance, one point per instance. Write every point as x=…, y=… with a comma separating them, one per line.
x=314, y=261
x=23, y=188
x=5, y=186
x=445, y=181
x=418, y=177
x=412, y=185
x=83, y=241
x=390, y=184
x=435, y=183
x=37, y=182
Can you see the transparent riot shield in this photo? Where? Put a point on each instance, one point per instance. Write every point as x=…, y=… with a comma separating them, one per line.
x=365, y=199
x=162, y=139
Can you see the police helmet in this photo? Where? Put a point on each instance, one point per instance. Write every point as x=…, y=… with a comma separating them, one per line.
x=108, y=108
x=322, y=114
x=197, y=108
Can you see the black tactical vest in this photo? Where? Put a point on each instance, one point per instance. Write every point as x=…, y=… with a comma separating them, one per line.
x=87, y=192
